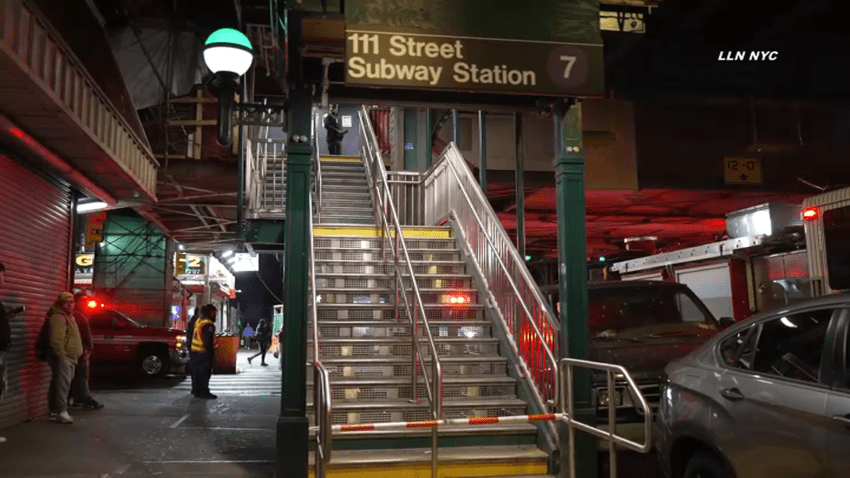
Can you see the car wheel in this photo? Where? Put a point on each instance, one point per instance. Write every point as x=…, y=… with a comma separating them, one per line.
x=153, y=364
x=706, y=465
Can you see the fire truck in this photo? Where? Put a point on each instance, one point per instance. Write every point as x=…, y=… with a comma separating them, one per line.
x=775, y=254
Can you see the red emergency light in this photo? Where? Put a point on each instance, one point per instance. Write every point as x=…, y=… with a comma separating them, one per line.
x=457, y=299
x=91, y=304
x=810, y=214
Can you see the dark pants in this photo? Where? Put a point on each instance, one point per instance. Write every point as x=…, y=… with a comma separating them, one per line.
x=264, y=347
x=200, y=368
x=80, y=392
x=334, y=147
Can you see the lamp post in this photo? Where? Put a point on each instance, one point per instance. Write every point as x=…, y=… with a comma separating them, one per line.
x=228, y=54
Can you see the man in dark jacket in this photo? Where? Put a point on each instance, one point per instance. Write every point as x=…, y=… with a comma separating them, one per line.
x=202, y=350
x=81, y=397
x=334, y=131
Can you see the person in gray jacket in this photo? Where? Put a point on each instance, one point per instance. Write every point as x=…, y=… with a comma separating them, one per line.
x=81, y=396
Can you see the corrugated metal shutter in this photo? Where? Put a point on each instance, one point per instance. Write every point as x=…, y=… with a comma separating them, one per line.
x=35, y=221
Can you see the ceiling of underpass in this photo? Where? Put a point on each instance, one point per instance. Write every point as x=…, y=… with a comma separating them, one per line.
x=676, y=56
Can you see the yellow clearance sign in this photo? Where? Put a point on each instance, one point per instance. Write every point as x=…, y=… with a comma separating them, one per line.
x=742, y=170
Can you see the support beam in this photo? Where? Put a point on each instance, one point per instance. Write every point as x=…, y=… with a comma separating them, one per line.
x=520, y=186
x=429, y=139
x=572, y=266
x=292, y=426
x=482, y=151
x=456, y=122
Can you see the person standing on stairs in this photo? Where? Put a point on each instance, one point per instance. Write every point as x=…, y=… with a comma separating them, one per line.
x=335, y=132
x=264, y=336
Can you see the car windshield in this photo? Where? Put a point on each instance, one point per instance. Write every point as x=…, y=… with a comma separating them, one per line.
x=108, y=315
x=656, y=311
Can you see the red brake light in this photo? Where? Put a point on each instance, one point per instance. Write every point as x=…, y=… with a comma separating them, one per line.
x=92, y=304
x=810, y=213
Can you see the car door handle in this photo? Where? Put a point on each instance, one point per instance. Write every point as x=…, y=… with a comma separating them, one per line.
x=842, y=418
x=732, y=394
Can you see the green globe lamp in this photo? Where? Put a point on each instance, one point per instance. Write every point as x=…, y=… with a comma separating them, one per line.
x=228, y=54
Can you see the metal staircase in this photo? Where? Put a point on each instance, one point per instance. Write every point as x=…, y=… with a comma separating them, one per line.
x=384, y=305
x=345, y=196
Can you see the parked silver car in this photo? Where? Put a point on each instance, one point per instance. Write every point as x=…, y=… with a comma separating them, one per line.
x=768, y=397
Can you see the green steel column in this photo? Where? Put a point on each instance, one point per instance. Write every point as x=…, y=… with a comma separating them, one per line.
x=411, y=139
x=240, y=167
x=520, y=186
x=572, y=266
x=482, y=151
x=429, y=140
x=456, y=121
x=292, y=425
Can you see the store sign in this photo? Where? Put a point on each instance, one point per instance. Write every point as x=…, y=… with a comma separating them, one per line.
x=541, y=49
x=84, y=263
x=94, y=227
x=196, y=265
x=244, y=262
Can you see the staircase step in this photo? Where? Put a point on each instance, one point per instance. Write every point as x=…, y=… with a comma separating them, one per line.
x=381, y=328
x=456, y=462
x=389, y=367
x=391, y=306
x=402, y=347
x=343, y=230
x=450, y=436
x=401, y=388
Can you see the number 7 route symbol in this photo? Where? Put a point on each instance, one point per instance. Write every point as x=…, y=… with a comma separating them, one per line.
x=570, y=60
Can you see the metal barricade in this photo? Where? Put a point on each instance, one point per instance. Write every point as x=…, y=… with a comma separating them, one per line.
x=567, y=408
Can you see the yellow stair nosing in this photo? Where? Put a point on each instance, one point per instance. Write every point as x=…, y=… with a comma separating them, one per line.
x=371, y=231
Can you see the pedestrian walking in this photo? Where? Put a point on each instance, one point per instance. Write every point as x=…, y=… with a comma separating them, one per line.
x=247, y=335
x=264, y=337
x=201, y=353
x=65, y=350
x=81, y=396
x=5, y=340
x=190, y=330
x=334, y=131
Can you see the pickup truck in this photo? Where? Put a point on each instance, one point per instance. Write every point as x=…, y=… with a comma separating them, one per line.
x=151, y=351
x=643, y=326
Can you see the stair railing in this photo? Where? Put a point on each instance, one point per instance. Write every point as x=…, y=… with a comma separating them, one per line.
x=452, y=192
x=321, y=378
x=317, y=118
x=387, y=218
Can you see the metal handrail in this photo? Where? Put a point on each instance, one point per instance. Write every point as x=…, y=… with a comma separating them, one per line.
x=321, y=378
x=318, y=183
x=384, y=201
x=567, y=408
x=447, y=158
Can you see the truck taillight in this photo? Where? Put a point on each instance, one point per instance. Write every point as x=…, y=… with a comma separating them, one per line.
x=810, y=214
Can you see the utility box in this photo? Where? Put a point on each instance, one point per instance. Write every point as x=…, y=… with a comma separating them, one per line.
x=765, y=219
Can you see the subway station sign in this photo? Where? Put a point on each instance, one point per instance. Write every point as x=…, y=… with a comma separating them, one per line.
x=436, y=47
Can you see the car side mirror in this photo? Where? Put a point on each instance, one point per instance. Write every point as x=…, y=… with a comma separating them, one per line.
x=726, y=322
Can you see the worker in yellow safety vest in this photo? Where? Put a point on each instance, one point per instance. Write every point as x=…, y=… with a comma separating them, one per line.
x=202, y=350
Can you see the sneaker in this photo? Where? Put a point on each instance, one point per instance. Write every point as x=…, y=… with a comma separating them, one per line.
x=2, y=440
x=93, y=404
x=64, y=418
x=208, y=396
x=76, y=406
x=249, y=360
x=264, y=364
x=53, y=416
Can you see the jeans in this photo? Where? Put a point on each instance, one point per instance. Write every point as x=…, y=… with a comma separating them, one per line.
x=60, y=383
x=334, y=147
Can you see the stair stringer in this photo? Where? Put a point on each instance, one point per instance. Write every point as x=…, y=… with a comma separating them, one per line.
x=546, y=431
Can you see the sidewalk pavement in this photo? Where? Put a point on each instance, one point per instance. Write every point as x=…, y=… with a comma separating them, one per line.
x=156, y=428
